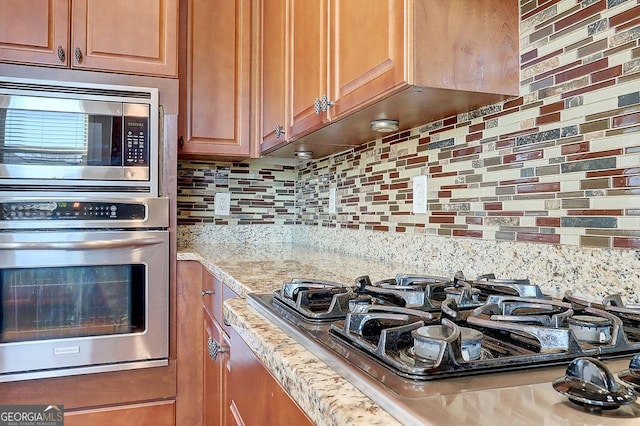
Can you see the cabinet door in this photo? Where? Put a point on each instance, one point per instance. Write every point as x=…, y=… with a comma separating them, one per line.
x=256, y=398
x=214, y=372
x=367, y=52
x=138, y=37
x=35, y=31
x=189, y=346
x=308, y=53
x=273, y=32
x=215, y=95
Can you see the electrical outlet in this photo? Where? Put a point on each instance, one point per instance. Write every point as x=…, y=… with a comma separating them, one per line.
x=222, y=204
x=332, y=201
x=420, y=194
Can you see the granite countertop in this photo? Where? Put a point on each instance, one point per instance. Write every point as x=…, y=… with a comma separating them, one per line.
x=326, y=397
x=263, y=268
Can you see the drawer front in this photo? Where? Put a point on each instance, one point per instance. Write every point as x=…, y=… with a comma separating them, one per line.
x=161, y=413
x=227, y=293
x=212, y=295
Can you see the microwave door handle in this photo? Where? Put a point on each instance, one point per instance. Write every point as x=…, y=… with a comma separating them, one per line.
x=81, y=245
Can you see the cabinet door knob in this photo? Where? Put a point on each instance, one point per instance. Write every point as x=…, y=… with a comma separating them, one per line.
x=316, y=106
x=325, y=103
x=61, y=54
x=214, y=348
x=279, y=131
x=206, y=292
x=181, y=142
x=78, y=55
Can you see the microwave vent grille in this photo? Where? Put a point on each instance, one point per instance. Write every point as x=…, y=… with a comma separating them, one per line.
x=76, y=188
x=78, y=90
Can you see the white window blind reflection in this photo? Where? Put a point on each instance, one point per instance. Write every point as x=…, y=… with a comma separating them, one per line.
x=29, y=137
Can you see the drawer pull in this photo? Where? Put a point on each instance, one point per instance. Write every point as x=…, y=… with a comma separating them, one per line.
x=214, y=348
x=205, y=292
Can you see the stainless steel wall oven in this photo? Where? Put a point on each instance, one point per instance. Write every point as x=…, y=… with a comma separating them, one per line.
x=84, y=240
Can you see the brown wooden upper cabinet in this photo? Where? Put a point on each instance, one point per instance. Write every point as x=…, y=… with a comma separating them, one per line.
x=341, y=56
x=132, y=37
x=215, y=79
x=337, y=65
x=271, y=108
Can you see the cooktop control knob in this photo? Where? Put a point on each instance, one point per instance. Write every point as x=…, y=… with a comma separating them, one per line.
x=589, y=383
x=631, y=376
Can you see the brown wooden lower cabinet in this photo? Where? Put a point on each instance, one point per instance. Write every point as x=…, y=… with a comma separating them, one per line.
x=189, y=343
x=215, y=360
x=256, y=398
x=160, y=413
x=117, y=394
x=220, y=380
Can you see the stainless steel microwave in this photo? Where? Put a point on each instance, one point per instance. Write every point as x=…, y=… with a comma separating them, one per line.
x=81, y=138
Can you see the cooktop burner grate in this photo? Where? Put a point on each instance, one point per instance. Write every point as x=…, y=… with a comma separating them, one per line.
x=515, y=325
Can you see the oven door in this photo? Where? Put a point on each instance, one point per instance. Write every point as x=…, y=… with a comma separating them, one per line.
x=83, y=301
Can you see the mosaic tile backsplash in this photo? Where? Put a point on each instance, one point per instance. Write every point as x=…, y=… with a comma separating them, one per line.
x=559, y=164
x=262, y=193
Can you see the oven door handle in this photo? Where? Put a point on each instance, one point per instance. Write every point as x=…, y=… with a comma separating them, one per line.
x=81, y=245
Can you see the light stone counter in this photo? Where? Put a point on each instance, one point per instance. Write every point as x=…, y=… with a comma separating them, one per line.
x=589, y=272
x=263, y=268
x=324, y=395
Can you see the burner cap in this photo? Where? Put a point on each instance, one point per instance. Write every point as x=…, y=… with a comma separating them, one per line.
x=428, y=341
x=589, y=383
x=590, y=328
x=589, y=320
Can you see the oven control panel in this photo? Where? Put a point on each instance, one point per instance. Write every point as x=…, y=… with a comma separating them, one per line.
x=72, y=210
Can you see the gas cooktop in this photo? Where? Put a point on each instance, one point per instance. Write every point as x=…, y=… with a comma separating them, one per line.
x=411, y=337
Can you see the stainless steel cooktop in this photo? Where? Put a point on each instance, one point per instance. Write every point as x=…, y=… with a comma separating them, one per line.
x=409, y=339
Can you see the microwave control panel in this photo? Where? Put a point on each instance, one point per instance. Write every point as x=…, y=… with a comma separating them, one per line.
x=72, y=210
x=136, y=141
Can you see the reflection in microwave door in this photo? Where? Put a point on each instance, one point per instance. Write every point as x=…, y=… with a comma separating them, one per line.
x=41, y=158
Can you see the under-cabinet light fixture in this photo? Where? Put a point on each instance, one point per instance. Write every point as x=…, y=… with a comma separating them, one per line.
x=303, y=154
x=385, y=126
